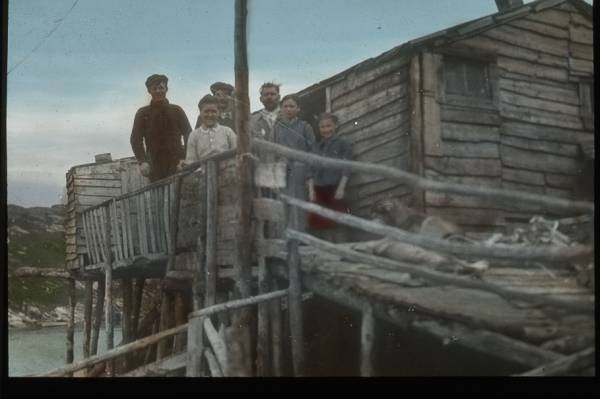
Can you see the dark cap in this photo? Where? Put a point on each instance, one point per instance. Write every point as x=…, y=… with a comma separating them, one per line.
x=155, y=79
x=221, y=86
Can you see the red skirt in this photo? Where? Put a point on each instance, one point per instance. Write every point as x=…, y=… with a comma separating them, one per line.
x=325, y=197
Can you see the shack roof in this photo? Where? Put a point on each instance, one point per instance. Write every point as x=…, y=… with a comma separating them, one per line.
x=454, y=33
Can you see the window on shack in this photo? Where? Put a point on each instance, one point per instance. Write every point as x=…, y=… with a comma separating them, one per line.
x=467, y=78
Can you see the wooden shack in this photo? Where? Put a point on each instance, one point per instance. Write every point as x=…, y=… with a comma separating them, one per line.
x=503, y=101
x=88, y=185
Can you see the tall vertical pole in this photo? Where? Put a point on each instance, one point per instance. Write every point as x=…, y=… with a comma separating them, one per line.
x=242, y=108
x=242, y=114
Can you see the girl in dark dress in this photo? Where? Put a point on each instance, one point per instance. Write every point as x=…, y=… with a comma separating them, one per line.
x=327, y=187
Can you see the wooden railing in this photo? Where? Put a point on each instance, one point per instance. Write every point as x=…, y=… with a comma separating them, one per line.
x=293, y=237
x=139, y=223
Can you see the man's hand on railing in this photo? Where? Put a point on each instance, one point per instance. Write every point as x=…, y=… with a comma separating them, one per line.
x=145, y=169
x=181, y=165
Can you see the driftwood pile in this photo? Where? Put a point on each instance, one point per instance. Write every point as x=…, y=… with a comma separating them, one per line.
x=538, y=232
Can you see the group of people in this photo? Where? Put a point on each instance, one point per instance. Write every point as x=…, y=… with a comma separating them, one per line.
x=163, y=141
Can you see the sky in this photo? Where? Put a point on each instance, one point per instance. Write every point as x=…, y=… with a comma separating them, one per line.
x=77, y=67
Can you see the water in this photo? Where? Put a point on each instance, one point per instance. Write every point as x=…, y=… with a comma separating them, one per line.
x=36, y=351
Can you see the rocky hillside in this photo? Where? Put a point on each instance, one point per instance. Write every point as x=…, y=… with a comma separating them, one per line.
x=35, y=238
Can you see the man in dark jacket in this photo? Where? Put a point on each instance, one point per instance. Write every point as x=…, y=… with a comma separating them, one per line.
x=224, y=93
x=158, y=130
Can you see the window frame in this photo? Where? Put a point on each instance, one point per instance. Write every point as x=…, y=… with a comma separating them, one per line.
x=474, y=56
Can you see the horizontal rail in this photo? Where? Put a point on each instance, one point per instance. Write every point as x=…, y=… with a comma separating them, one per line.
x=490, y=194
x=575, y=362
x=585, y=306
x=114, y=353
x=167, y=180
x=238, y=303
x=549, y=254
x=144, y=342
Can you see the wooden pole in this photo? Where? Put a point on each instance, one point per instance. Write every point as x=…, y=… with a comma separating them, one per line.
x=98, y=311
x=568, y=364
x=276, y=334
x=137, y=305
x=246, y=191
x=71, y=321
x=27, y=271
x=126, y=318
x=367, y=335
x=87, y=317
x=174, y=220
x=165, y=309
x=211, y=233
x=295, y=296
x=263, y=346
x=195, y=347
x=108, y=306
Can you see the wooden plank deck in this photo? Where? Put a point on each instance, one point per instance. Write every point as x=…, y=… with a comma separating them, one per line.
x=533, y=333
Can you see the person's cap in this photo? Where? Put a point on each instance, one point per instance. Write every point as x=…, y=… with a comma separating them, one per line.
x=152, y=79
x=221, y=86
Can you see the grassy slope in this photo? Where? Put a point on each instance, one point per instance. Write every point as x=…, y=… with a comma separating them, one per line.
x=37, y=249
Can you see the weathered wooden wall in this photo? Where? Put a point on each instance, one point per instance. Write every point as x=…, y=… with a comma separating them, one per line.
x=373, y=109
x=531, y=141
x=192, y=218
x=91, y=184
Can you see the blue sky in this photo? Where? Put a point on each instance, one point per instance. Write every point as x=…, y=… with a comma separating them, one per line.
x=77, y=94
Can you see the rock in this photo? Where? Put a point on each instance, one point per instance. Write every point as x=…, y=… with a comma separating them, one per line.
x=33, y=311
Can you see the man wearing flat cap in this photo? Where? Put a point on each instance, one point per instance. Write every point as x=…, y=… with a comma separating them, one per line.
x=224, y=93
x=159, y=133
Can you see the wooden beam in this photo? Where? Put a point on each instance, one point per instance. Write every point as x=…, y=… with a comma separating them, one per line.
x=549, y=254
x=218, y=346
x=98, y=311
x=295, y=292
x=367, y=338
x=213, y=365
x=491, y=194
x=243, y=148
x=263, y=345
x=563, y=366
x=416, y=127
x=174, y=228
x=87, y=317
x=71, y=321
x=211, y=233
x=242, y=264
x=195, y=347
x=137, y=305
x=27, y=271
x=108, y=306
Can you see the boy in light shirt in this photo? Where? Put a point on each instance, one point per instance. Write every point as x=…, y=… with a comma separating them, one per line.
x=211, y=137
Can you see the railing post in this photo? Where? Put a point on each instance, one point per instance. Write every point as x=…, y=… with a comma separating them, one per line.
x=211, y=233
x=174, y=223
x=295, y=295
x=71, y=321
x=367, y=337
x=108, y=306
x=195, y=346
x=87, y=317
